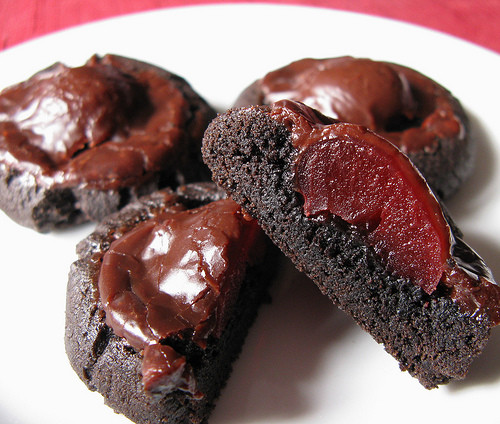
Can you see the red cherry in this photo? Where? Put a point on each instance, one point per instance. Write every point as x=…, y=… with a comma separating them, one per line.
x=353, y=173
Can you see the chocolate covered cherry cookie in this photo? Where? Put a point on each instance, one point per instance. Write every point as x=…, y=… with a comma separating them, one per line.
x=160, y=300
x=79, y=143
x=354, y=214
x=421, y=117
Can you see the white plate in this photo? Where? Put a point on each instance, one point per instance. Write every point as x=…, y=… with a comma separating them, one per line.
x=304, y=361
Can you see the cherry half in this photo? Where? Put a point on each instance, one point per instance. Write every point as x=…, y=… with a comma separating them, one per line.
x=349, y=171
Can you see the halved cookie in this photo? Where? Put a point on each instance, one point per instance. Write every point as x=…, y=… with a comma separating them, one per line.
x=353, y=213
x=161, y=299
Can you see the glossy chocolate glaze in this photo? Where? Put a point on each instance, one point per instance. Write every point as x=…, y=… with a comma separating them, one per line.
x=96, y=125
x=467, y=279
x=398, y=103
x=177, y=276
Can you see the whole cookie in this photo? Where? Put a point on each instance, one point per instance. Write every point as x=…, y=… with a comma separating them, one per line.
x=79, y=143
x=421, y=117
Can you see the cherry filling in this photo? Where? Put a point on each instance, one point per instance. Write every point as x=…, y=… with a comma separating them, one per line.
x=176, y=276
x=346, y=170
x=362, y=179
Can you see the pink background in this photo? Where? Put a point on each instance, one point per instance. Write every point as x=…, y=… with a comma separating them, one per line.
x=477, y=21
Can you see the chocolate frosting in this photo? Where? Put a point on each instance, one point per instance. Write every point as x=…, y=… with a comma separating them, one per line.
x=97, y=125
x=398, y=103
x=469, y=282
x=176, y=276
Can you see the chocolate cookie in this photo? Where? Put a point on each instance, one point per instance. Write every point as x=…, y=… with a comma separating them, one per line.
x=421, y=117
x=79, y=143
x=161, y=299
x=353, y=213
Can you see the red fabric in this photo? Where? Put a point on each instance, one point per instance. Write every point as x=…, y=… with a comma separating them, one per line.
x=475, y=21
